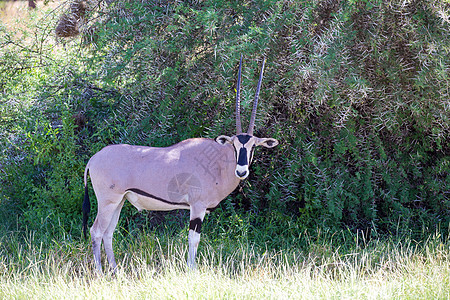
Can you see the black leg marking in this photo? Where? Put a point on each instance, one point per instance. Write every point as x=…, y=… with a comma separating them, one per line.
x=196, y=225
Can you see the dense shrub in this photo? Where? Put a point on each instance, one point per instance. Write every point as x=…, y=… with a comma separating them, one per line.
x=356, y=92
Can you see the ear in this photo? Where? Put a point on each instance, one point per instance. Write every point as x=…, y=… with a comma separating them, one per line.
x=223, y=140
x=266, y=142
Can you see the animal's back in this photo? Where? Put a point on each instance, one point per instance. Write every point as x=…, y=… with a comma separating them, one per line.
x=123, y=166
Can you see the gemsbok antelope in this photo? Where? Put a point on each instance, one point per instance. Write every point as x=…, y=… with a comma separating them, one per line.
x=195, y=174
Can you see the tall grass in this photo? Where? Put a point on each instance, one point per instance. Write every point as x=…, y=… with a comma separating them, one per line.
x=155, y=267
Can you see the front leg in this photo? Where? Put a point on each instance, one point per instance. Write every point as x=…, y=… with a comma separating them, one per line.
x=195, y=227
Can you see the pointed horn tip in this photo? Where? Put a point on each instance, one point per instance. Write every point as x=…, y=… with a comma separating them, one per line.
x=263, y=64
x=238, y=100
x=255, y=103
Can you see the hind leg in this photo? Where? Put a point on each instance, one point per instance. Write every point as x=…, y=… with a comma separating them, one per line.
x=108, y=235
x=102, y=222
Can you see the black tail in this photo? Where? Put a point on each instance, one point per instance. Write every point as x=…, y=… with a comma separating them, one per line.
x=86, y=210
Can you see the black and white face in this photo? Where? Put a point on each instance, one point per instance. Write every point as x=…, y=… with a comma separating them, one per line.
x=244, y=146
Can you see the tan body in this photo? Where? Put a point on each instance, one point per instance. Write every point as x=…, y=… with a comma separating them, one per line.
x=168, y=173
x=195, y=174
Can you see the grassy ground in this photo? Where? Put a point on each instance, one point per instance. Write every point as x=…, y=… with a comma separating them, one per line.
x=154, y=267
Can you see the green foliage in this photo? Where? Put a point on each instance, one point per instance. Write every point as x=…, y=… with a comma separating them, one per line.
x=355, y=91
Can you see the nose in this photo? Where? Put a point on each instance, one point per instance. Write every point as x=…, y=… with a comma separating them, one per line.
x=242, y=174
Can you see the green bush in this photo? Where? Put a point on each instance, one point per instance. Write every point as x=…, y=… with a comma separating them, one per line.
x=356, y=92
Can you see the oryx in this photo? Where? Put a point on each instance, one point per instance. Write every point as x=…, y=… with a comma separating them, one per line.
x=195, y=174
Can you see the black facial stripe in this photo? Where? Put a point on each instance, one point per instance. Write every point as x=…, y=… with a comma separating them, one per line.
x=196, y=225
x=251, y=154
x=235, y=153
x=242, y=159
x=244, y=138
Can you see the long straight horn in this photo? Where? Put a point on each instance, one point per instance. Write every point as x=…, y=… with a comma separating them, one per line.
x=255, y=102
x=238, y=100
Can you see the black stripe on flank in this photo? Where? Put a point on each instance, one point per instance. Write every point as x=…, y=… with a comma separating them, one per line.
x=142, y=193
x=196, y=225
